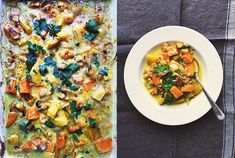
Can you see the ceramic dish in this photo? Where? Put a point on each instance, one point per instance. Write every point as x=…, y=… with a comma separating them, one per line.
x=211, y=69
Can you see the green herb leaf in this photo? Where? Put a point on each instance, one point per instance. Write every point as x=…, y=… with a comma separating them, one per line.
x=92, y=123
x=87, y=106
x=42, y=69
x=162, y=68
x=49, y=124
x=74, y=136
x=54, y=29
x=168, y=83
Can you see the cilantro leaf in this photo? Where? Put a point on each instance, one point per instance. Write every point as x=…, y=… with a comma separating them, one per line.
x=92, y=28
x=54, y=29
x=103, y=72
x=49, y=124
x=42, y=69
x=74, y=110
x=92, y=123
x=40, y=25
x=162, y=68
x=168, y=83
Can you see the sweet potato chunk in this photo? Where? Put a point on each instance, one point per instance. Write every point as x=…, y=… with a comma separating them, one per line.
x=12, y=116
x=50, y=146
x=32, y=113
x=12, y=32
x=27, y=146
x=156, y=80
x=24, y=86
x=60, y=141
x=88, y=85
x=103, y=145
x=187, y=88
x=73, y=128
x=187, y=58
x=176, y=92
x=11, y=87
x=80, y=143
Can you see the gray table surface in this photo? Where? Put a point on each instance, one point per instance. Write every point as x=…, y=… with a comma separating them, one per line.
x=139, y=137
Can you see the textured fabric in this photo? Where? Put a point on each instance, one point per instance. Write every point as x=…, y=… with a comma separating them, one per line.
x=205, y=138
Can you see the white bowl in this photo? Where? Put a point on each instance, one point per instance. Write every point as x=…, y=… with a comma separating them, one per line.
x=212, y=76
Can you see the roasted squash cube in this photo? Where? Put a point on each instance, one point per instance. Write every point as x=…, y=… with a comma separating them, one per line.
x=12, y=116
x=11, y=87
x=32, y=113
x=103, y=145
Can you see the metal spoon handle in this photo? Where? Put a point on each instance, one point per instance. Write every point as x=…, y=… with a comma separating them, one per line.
x=219, y=114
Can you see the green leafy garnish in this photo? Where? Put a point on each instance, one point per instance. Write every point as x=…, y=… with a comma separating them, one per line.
x=33, y=48
x=74, y=110
x=168, y=98
x=162, y=68
x=87, y=106
x=39, y=26
x=42, y=69
x=74, y=136
x=49, y=124
x=92, y=123
x=54, y=29
x=92, y=28
x=103, y=72
x=168, y=83
x=95, y=60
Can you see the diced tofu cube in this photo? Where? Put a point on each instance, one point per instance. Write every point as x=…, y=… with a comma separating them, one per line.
x=22, y=42
x=50, y=44
x=84, y=49
x=24, y=86
x=32, y=113
x=63, y=35
x=25, y=24
x=99, y=94
x=103, y=145
x=52, y=79
x=61, y=120
x=11, y=87
x=176, y=92
x=59, y=20
x=172, y=50
x=53, y=109
x=78, y=32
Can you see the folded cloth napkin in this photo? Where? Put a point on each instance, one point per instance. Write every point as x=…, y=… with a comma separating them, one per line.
x=207, y=137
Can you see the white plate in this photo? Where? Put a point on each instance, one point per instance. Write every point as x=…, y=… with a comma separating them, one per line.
x=212, y=76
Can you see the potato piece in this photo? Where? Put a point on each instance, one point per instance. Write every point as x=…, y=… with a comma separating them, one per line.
x=27, y=146
x=32, y=113
x=99, y=94
x=35, y=74
x=68, y=18
x=50, y=44
x=176, y=92
x=22, y=42
x=24, y=86
x=63, y=35
x=12, y=32
x=12, y=116
x=53, y=109
x=13, y=139
x=151, y=58
x=88, y=85
x=187, y=88
x=60, y=141
x=78, y=32
x=61, y=120
x=197, y=89
x=59, y=20
x=66, y=54
x=103, y=145
x=11, y=87
x=52, y=79
x=24, y=22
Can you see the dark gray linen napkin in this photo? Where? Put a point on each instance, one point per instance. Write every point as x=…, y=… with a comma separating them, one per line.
x=207, y=137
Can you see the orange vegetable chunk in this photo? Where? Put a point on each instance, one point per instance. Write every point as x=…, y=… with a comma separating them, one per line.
x=11, y=87
x=103, y=145
x=176, y=92
x=187, y=58
x=187, y=88
x=12, y=116
x=32, y=113
x=24, y=86
x=60, y=141
x=156, y=80
x=50, y=146
x=88, y=85
x=27, y=146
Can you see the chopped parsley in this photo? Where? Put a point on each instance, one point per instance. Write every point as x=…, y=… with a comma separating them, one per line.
x=168, y=83
x=95, y=60
x=50, y=62
x=162, y=68
x=49, y=124
x=92, y=28
x=92, y=123
x=43, y=69
x=54, y=29
x=87, y=106
x=33, y=48
x=74, y=136
x=103, y=72
x=40, y=25
x=74, y=110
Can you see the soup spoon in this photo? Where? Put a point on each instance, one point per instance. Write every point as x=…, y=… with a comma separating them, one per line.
x=218, y=112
